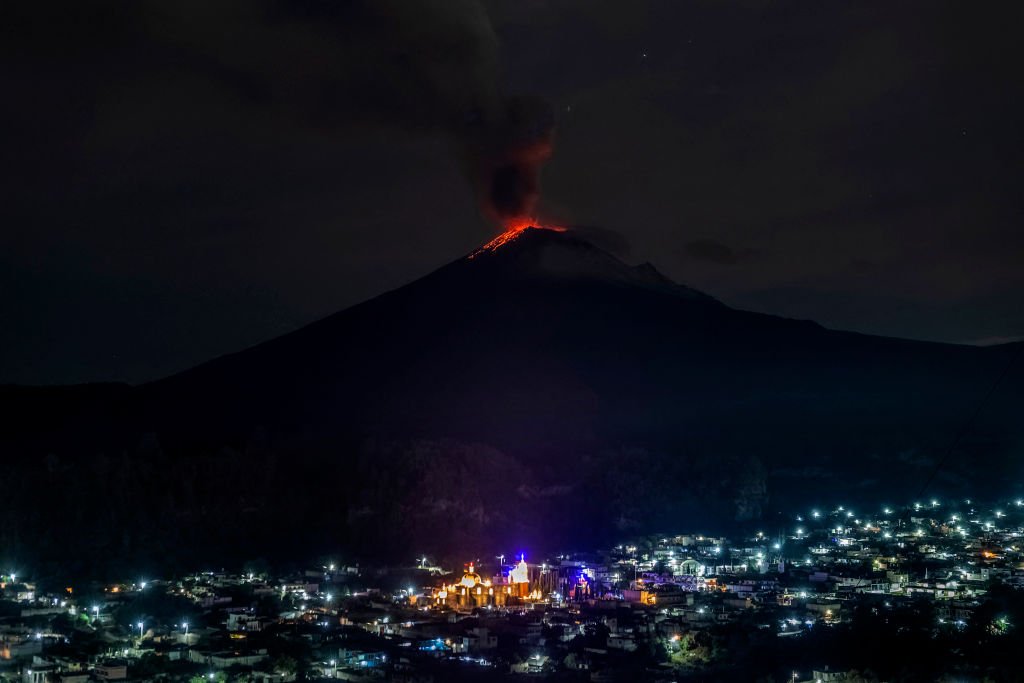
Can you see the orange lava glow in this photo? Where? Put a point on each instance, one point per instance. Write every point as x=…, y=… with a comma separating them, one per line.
x=513, y=229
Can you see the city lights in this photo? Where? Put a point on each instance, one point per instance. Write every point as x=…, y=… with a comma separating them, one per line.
x=711, y=579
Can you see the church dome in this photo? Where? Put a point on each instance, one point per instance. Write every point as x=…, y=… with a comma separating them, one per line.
x=470, y=578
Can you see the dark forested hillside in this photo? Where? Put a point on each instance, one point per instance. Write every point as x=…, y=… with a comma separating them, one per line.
x=539, y=392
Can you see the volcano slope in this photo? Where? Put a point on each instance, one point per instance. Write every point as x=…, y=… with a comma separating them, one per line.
x=538, y=392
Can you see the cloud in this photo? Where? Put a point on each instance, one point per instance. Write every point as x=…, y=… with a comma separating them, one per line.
x=429, y=66
x=608, y=239
x=711, y=251
x=997, y=340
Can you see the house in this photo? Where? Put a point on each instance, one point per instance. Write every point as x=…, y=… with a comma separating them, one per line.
x=15, y=647
x=623, y=641
x=111, y=671
x=479, y=638
x=229, y=658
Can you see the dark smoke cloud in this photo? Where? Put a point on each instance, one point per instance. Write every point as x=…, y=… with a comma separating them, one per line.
x=433, y=64
x=508, y=157
x=417, y=65
x=426, y=65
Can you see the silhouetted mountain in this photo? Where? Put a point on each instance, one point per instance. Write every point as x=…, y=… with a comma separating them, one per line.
x=538, y=392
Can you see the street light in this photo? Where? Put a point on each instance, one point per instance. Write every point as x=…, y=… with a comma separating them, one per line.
x=140, y=628
x=185, y=624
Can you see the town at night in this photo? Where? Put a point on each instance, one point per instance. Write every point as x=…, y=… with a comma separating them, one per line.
x=939, y=581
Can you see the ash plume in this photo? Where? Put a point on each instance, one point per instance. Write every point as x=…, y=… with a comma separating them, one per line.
x=506, y=164
x=418, y=65
x=440, y=60
x=427, y=66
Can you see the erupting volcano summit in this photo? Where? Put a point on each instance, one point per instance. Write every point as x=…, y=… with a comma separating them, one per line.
x=514, y=231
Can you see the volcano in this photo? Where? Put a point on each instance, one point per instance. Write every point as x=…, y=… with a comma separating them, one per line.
x=538, y=392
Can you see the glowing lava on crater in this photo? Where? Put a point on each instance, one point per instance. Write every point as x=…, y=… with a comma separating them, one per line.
x=513, y=230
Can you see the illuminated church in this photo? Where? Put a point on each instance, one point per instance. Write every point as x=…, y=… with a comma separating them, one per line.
x=473, y=591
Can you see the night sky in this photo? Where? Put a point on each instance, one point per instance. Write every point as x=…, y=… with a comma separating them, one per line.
x=184, y=179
